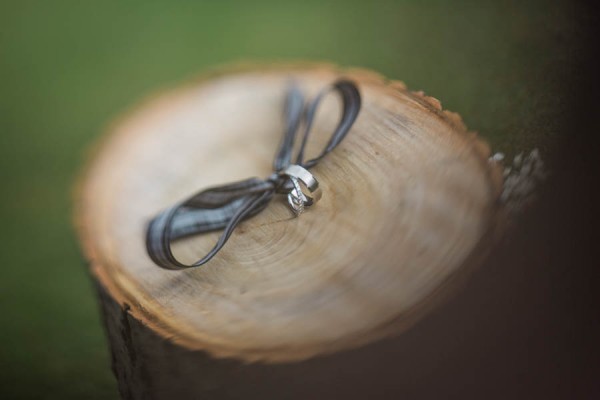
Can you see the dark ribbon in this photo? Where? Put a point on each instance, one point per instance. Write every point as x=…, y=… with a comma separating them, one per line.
x=224, y=207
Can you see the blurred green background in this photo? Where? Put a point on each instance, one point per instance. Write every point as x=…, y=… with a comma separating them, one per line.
x=67, y=68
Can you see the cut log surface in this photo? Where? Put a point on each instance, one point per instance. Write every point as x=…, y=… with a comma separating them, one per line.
x=410, y=203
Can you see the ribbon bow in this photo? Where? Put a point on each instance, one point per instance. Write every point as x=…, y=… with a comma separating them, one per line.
x=224, y=207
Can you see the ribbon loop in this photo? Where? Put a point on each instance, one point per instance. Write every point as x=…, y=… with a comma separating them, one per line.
x=224, y=207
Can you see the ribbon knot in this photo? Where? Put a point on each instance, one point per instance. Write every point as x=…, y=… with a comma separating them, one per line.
x=224, y=207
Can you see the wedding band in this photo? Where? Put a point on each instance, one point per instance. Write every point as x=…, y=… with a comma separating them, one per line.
x=298, y=198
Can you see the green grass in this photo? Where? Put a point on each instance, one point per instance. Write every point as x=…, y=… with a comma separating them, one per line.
x=68, y=68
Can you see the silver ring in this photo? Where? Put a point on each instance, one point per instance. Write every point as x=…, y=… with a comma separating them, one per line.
x=298, y=198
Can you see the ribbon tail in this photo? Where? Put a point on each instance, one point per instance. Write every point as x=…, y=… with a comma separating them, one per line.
x=213, y=209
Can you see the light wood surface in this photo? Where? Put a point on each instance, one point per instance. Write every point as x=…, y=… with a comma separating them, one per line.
x=410, y=203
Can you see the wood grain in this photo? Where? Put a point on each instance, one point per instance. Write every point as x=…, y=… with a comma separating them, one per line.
x=410, y=203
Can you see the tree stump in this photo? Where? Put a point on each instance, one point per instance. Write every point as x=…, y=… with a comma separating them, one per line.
x=410, y=203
